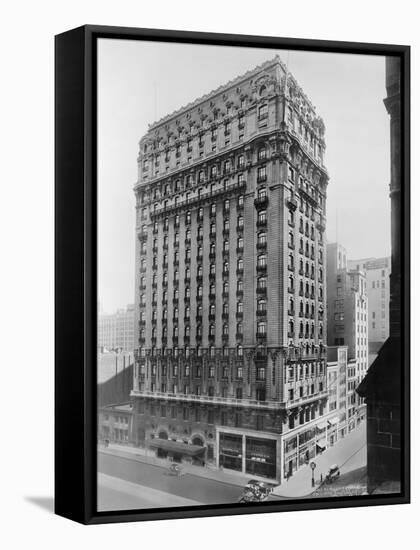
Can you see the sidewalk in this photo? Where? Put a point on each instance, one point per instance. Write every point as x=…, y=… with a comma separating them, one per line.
x=146, y=456
x=348, y=453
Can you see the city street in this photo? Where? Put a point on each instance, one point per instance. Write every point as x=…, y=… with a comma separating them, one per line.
x=348, y=453
x=117, y=494
x=124, y=482
x=151, y=485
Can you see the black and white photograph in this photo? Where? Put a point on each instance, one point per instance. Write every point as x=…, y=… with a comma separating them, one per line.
x=248, y=274
x=209, y=275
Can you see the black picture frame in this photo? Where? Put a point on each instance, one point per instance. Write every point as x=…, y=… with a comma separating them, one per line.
x=76, y=270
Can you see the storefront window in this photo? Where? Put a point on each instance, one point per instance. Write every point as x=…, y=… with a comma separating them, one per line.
x=261, y=457
x=230, y=453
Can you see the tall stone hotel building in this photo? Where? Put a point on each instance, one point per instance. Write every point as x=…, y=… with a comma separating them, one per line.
x=230, y=278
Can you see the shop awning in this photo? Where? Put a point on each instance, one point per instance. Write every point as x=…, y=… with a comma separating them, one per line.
x=176, y=447
x=322, y=443
x=322, y=426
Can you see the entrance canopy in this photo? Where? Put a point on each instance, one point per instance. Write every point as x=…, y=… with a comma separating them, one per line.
x=176, y=447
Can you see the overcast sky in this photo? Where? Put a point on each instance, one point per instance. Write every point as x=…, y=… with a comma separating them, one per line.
x=140, y=82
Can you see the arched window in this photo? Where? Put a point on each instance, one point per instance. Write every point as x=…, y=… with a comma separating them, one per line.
x=211, y=330
x=261, y=304
x=262, y=217
x=291, y=328
x=240, y=351
x=225, y=329
x=239, y=328
x=240, y=264
x=291, y=239
x=291, y=283
x=262, y=260
x=262, y=238
x=225, y=288
x=262, y=328
x=225, y=308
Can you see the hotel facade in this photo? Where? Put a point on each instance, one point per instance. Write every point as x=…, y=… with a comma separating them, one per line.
x=230, y=279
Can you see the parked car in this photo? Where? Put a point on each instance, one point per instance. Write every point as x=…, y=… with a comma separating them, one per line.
x=333, y=474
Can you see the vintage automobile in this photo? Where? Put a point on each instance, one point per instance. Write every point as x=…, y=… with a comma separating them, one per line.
x=174, y=469
x=333, y=474
x=256, y=491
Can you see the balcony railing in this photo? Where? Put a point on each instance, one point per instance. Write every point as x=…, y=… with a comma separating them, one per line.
x=181, y=397
x=233, y=188
x=261, y=202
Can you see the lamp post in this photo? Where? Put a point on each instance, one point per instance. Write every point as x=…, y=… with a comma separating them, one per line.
x=313, y=466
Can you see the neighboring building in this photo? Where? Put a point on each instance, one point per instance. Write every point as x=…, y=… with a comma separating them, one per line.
x=230, y=278
x=342, y=397
x=347, y=308
x=114, y=423
x=381, y=387
x=114, y=377
x=116, y=330
x=377, y=272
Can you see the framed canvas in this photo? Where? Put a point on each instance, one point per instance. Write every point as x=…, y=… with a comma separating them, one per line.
x=232, y=274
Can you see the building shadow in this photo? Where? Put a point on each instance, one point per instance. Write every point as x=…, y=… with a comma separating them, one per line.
x=46, y=503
